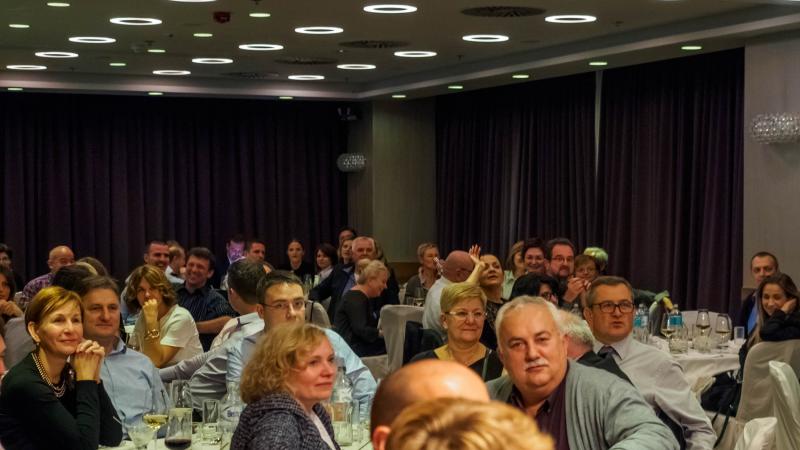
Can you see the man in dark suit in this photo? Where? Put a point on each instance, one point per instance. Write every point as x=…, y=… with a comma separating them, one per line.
x=762, y=265
x=342, y=279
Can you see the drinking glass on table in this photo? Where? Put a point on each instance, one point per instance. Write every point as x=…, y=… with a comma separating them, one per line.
x=210, y=430
x=703, y=323
x=140, y=433
x=723, y=329
x=668, y=327
x=179, y=429
x=738, y=336
x=156, y=415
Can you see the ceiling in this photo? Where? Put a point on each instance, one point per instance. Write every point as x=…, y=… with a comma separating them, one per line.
x=625, y=32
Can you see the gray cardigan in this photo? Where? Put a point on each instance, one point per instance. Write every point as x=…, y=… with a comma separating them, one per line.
x=603, y=412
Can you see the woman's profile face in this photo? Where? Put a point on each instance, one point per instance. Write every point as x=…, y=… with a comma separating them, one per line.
x=145, y=292
x=429, y=258
x=312, y=380
x=5, y=288
x=322, y=260
x=772, y=298
x=61, y=331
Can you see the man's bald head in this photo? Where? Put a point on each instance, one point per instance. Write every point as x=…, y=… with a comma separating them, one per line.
x=457, y=266
x=416, y=382
x=59, y=257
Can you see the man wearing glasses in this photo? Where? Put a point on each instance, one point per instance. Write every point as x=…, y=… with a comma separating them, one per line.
x=655, y=374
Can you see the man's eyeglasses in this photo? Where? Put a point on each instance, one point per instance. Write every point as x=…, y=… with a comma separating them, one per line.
x=284, y=306
x=609, y=307
x=462, y=315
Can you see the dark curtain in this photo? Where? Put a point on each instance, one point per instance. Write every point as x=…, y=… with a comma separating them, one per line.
x=105, y=174
x=514, y=162
x=670, y=176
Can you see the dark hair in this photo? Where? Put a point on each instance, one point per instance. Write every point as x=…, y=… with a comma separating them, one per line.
x=154, y=241
x=250, y=242
x=530, y=283
x=238, y=237
x=352, y=230
x=244, y=277
x=607, y=280
x=96, y=264
x=6, y=272
x=532, y=242
x=7, y=250
x=97, y=282
x=71, y=277
x=329, y=251
x=548, y=248
x=274, y=278
x=584, y=258
x=763, y=255
x=303, y=247
x=783, y=281
x=203, y=253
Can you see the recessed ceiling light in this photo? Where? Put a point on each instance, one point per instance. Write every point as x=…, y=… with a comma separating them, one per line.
x=92, y=39
x=399, y=96
x=203, y=35
x=520, y=76
x=306, y=77
x=171, y=72
x=598, y=63
x=117, y=64
x=356, y=66
x=261, y=47
x=570, y=18
x=14, y=89
x=415, y=54
x=455, y=87
x=135, y=21
x=25, y=67
x=390, y=9
x=212, y=60
x=155, y=93
x=260, y=15
x=58, y=4
x=156, y=50
x=485, y=38
x=56, y=54
x=318, y=30
x=691, y=48
x=285, y=97
x=18, y=25
x=193, y=1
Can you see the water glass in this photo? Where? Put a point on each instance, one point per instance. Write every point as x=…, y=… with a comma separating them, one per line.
x=738, y=336
x=181, y=394
x=679, y=341
x=179, y=429
x=140, y=433
x=210, y=430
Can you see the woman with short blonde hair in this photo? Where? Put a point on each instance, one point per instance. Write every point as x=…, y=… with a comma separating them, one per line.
x=359, y=309
x=291, y=371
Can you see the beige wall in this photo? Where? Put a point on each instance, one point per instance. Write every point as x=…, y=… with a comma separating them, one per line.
x=772, y=173
x=394, y=198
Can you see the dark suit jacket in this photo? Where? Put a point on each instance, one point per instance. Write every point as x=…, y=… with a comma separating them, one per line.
x=334, y=285
x=608, y=364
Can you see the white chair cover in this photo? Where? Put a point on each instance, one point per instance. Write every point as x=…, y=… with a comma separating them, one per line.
x=377, y=365
x=393, y=323
x=786, y=391
x=759, y=434
x=690, y=318
x=18, y=342
x=316, y=314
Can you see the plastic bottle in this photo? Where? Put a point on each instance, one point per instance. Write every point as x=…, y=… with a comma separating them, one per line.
x=230, y=410
x=644, y=323
x=341, y=407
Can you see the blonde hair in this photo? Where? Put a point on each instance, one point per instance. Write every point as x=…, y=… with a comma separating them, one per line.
x=369, y=270
x=49, y=300
x=455, y=293
x=156, y=279
x=449, y=423
x=281, y=349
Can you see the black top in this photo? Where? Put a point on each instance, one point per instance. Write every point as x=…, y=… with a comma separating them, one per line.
x=306, y=268
x=32, y=417
x=357, y=323
x=334, y=287
x=488, y=368
x=488, y=334
x=781, y=326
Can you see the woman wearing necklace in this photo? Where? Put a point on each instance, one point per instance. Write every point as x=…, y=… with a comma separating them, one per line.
x=463, y=315
x=54, y=397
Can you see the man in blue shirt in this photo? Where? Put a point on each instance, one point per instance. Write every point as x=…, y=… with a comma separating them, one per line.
x=129, y=378
x=282, y=301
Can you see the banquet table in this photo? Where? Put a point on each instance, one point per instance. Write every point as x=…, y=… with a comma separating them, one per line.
x=698, y=365
x=197, y=444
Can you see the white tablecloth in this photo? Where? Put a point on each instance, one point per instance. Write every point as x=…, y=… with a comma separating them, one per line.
x=197, y=444
x=697, y=365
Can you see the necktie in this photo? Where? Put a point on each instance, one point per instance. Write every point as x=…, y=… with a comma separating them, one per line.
x=606, y=350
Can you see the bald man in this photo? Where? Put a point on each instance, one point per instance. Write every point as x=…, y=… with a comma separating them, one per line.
x=417, y=382
x=58, y=257
x=456, y=269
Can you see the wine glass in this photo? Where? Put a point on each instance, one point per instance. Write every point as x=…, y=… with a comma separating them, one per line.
x=179, y=429
x=668, y=327
x=156, y=415
x=723, y=329
x=140, y=433
x=703, y=323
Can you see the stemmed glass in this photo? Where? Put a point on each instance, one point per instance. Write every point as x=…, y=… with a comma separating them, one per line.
x=668, y=327
x=723, y=329
x=140, y=433
x=156, y=415
x=703, y=323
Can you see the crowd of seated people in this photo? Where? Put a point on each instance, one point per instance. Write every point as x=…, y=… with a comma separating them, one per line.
x=550, y=336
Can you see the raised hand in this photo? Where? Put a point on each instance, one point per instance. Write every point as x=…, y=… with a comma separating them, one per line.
x=789, y=306
x=150, y=312
x=575, y=287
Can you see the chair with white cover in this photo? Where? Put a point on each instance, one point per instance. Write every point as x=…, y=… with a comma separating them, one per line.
x=393, y=324
x=690, y=318
x=316, y=314
x=758, y=434
x=786, y=392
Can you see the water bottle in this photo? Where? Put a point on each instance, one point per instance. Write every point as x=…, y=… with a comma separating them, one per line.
x=341, y=408
x=676, y=318
x=637, y=324
x=644, y=322
x=230, y=410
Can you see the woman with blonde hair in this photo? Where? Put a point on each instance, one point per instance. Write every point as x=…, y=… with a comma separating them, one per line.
x=359, y=309
x=446, y=423
x=463, y=317
x=291, y=371
x=164, y=331
x=54, y=398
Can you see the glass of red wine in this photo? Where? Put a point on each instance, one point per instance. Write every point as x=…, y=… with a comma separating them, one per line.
x=179, y=429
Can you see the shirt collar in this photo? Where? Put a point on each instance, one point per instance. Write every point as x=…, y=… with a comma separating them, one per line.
x=622, y=348
x=119, y=348
x=516, y=395
x=248, y=318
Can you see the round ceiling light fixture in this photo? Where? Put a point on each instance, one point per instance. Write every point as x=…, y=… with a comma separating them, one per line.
x=415, y=54
x=135, y=21
x=56, y=54
x=92, y=39
x=261, y=47
x=390, y=9
x=485, y=38
x=171, y=72
x=212, y=60
x=25, y=67
x=356, y=66
x=570, y=18
x=318, y=30
x=306, y=77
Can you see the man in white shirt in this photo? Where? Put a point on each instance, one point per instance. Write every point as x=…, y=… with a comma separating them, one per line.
x=655, y=374
x=456, y=269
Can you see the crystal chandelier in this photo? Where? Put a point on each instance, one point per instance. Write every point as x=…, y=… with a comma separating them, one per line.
x=777, y=128
x=351, y=162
